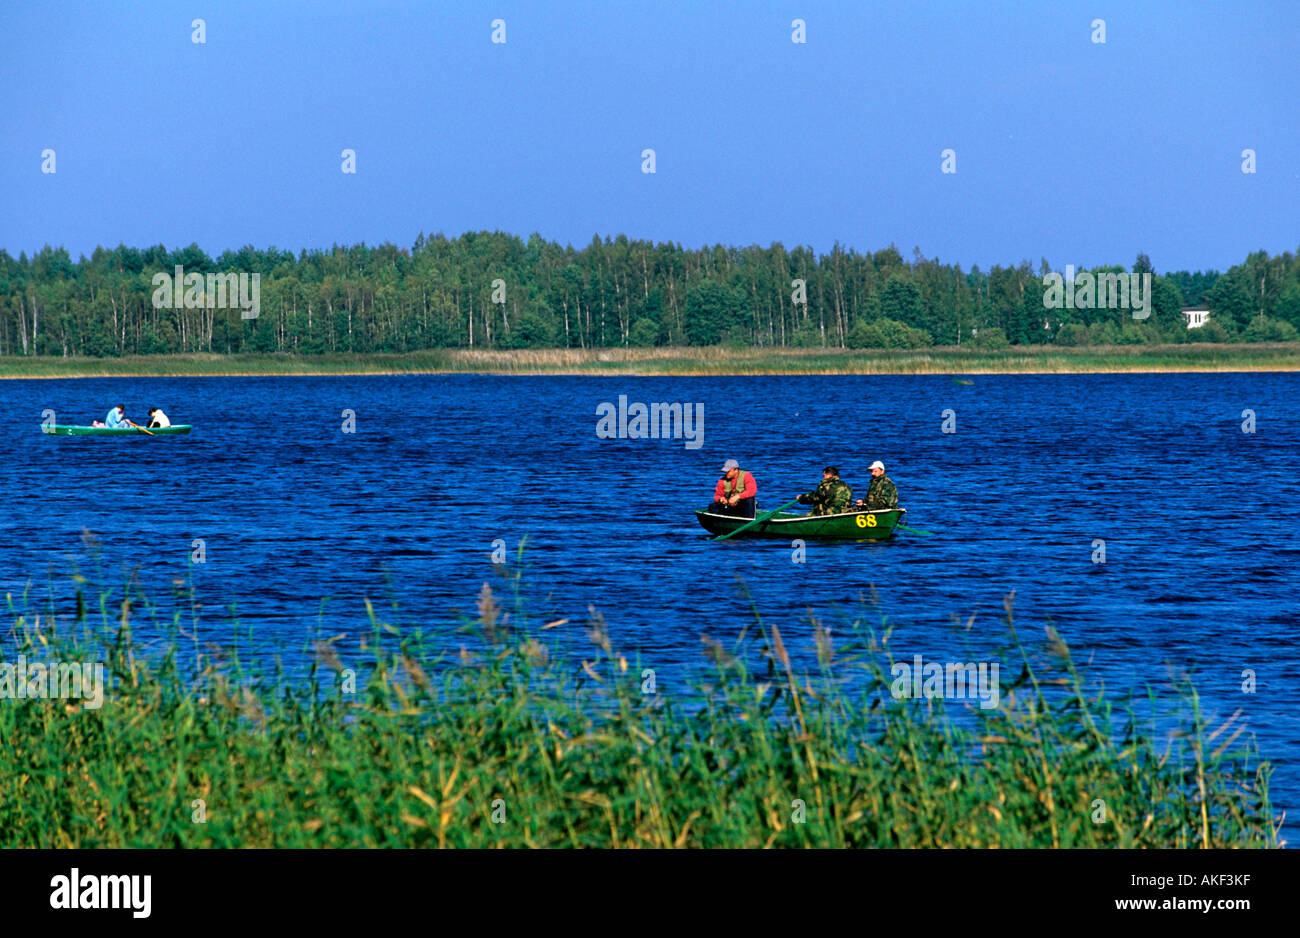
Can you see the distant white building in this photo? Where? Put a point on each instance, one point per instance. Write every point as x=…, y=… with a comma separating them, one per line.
x=1196, y=316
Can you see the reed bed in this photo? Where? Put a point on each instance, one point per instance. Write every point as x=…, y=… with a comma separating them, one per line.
x=685, y=362
x=495, y=735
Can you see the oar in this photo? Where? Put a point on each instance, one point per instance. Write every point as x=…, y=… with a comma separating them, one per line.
x=763, y=517
x=138, y=427
x=914, y=530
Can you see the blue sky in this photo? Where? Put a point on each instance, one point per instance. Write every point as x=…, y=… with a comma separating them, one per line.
x=1080, y=152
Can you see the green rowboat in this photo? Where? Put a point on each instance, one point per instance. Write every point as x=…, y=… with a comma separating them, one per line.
x=57, y=429
x=860, y=525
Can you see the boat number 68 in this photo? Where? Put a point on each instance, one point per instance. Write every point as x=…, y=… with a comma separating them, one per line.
x=866, y=521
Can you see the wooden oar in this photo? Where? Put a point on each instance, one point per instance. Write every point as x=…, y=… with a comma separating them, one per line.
x=763, y=517
x=138, y=427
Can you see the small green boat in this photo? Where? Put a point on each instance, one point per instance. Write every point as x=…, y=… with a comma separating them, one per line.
x=57, y=429
x=876, y=525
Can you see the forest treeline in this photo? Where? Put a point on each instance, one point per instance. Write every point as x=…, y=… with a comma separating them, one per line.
x=496, y=290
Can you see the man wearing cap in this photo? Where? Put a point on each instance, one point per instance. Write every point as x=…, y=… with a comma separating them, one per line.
x=831, y=497
x=735, y=492
x=881, y=493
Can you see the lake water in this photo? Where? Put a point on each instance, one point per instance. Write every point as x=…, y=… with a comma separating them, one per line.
x=1200, y=520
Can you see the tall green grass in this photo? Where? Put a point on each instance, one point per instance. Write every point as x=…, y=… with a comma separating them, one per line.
x=501, y=737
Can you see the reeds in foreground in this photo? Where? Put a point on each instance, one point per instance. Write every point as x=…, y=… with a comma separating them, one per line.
x=516, y=742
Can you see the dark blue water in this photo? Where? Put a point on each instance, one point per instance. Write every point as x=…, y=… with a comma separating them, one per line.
x=1201, y=521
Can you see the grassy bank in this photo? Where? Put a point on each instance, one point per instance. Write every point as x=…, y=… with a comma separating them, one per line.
x=689, y=361
x=522, y=745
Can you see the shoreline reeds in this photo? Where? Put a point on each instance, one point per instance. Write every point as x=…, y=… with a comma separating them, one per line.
x=651, y=362
x=516, y=741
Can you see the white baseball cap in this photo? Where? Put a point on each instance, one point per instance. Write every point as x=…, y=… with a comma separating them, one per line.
x=878, y=465
x=729, y=465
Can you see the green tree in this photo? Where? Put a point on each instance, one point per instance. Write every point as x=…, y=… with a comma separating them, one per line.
x=901, y=301
x=644, y=333
x=991, y=338
x=1265, y=329
x=532, y=330
x=1210, y=332
x=888, y=334
x=711, y=309
x=1072, y=334
x=1288, y=305
x=1231, y=300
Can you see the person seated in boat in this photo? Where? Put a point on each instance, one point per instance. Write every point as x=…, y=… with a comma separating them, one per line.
x=116, y=419
x=881, y=493
x=831, y=497
x=157, y=418
x=735, y=492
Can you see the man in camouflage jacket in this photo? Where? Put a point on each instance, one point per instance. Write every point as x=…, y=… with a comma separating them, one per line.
x=881, y=493
x=831, y=497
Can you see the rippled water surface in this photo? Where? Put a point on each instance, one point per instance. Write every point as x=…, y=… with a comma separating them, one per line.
x=1199, y=519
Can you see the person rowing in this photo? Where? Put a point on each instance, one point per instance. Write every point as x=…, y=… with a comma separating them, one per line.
x=831, y=497
x=116, y=419
x=157, y=419
x=735, y=492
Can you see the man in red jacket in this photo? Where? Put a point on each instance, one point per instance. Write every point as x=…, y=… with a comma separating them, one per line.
x=735, y=492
